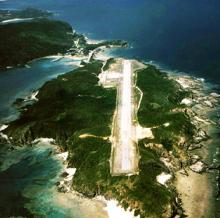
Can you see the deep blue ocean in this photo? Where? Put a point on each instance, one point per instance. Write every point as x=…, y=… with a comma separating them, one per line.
x=180, y=35
x=183, y=35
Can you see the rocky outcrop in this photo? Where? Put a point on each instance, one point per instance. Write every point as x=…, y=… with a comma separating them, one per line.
x=198, y=167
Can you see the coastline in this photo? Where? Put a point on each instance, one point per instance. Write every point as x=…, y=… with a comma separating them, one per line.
x=68, y=197
x=184, y=184
x=186, y=181
x=194, y=191
x=195, y=186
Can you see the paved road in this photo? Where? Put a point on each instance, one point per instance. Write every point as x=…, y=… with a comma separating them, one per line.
x=124, y=158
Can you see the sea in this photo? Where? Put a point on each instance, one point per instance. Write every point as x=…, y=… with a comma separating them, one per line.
x=182, y=36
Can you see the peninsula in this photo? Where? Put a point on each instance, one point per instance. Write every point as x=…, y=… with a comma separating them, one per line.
x=127, y=127
x=33, y=35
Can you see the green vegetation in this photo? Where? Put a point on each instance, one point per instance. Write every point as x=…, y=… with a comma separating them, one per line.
x=140, y=192
x=120, y=43
x=73, y=105
x=22, y=42
x=160, y=105
x=39, y=37
x=86, y=48
x=69, y=105
x=108, y=63
x=26, y=13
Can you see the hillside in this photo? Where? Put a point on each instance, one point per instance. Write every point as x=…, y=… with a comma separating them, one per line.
x=24, y=41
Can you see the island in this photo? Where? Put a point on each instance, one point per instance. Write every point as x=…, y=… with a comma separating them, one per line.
x=77, y=111
x=80, y=110
x=35, y=35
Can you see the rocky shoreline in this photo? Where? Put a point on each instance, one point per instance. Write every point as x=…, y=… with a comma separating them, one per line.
x=192, y=180
x=179, y=164
x=180, y=173
x=194, y=164
x=27, y=40
x=196, y=106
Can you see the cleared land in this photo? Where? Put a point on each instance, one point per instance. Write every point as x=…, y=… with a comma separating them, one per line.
x=124, y=158
x=80, y=109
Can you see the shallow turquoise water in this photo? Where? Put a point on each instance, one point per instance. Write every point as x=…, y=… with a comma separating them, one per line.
x=19, y=82
x=181, y=34
x=28, y=175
